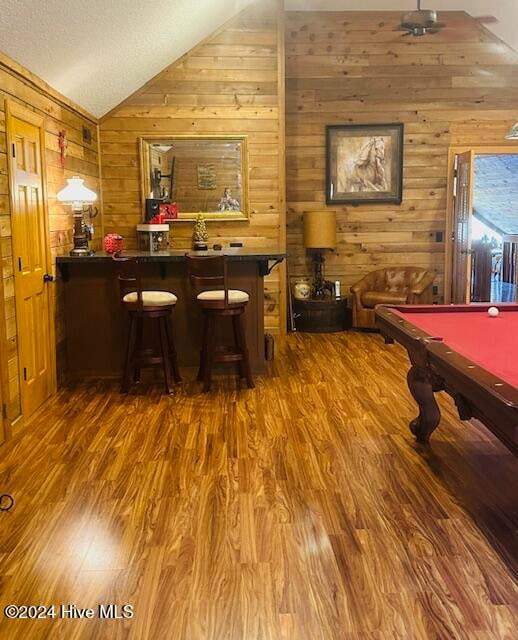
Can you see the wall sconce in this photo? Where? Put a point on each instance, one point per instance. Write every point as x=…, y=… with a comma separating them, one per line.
x=513, y=132
x=77, y=195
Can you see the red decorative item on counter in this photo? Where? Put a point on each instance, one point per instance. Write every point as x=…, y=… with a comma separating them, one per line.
x=168, y=211
x=113, y=242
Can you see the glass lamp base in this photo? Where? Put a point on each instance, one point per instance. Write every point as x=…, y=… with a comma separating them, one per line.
x=82, y=251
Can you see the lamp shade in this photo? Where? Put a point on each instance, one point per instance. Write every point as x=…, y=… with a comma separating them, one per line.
x=75, y=191
x=320, y=230
x=513, y=132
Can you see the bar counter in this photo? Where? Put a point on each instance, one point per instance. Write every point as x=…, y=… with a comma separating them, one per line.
x=96, y=323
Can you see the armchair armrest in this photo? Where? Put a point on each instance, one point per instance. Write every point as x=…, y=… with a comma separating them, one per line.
x=358, y=288
x=357, y=298
x=424, y=284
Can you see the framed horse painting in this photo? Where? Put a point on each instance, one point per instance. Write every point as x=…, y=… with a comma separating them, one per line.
x=364, y=163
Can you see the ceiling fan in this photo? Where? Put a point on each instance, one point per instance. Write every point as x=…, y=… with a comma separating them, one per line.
x=424, y=21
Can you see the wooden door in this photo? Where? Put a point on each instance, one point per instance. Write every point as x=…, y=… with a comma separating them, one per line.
x=461, y=232
x=3, y=375
x=30, y=258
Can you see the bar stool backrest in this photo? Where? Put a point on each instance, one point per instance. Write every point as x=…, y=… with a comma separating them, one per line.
x=128, y=275
x=208, y=273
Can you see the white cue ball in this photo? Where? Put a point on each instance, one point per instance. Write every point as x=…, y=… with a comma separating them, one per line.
x=492, y=312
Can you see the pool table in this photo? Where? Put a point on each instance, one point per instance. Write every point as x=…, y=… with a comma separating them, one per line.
x=459, y=349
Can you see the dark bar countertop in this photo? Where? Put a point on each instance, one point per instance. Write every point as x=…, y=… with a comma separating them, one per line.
x=233, y=254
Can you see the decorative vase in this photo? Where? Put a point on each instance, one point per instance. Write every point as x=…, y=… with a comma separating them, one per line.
x=302, y=289
x=113, y=242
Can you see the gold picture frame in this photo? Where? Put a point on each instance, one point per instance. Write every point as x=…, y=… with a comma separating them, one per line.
x=169, y=167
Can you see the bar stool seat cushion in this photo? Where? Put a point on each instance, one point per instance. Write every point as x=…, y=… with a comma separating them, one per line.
x=235, y=296
x=152, y=298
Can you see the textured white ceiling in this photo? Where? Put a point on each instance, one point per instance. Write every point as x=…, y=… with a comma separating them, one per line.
x=506, y=11
x=98, y=52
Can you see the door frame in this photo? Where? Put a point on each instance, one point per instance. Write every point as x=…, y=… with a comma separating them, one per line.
x=15, y=110
x=5, y=426
x=480, y=150
x=453, y=224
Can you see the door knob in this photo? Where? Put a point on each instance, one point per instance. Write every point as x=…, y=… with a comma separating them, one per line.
x=48, y=278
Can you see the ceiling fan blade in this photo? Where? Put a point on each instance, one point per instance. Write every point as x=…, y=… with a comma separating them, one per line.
x=486, y=19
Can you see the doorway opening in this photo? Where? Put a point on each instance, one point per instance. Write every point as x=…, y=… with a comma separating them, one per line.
x=483, y=249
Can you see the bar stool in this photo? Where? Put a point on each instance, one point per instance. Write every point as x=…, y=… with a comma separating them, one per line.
x=219, y=302
x=141, y=305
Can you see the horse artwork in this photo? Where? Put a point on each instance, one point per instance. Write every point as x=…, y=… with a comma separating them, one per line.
x=368, y=170
x=364, y=163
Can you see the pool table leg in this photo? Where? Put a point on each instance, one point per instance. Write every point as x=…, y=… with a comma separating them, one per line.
x=422, y=384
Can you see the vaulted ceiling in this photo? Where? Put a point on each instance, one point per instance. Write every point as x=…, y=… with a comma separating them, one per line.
x=99, y=52
x=505, y=11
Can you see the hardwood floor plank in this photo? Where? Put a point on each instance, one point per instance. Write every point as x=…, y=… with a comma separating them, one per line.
x=300, y=510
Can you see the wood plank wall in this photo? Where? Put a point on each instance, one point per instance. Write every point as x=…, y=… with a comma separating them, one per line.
x=21, y=86
x=227, y=85
x=457, y=87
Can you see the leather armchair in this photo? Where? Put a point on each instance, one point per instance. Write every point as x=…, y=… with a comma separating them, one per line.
x=397, y=285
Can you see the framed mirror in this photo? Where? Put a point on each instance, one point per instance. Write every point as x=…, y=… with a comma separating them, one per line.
x=201, y=174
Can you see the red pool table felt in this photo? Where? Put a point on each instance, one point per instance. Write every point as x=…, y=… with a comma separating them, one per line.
x=492, y=343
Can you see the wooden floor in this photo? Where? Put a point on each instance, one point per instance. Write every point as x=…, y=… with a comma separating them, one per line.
x=299, y=510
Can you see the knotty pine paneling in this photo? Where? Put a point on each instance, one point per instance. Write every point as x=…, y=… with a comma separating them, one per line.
x=227, y=85
x=82, y=159
x=457, y=87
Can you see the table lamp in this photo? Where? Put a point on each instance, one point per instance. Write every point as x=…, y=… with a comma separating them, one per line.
x=77, y=195
x=319, y=235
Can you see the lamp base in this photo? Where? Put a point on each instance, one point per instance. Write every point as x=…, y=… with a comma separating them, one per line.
x=82, y=233
x=82, y=251
x=321, y=287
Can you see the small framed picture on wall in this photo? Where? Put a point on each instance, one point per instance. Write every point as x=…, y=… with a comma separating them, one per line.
x=364, y=163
